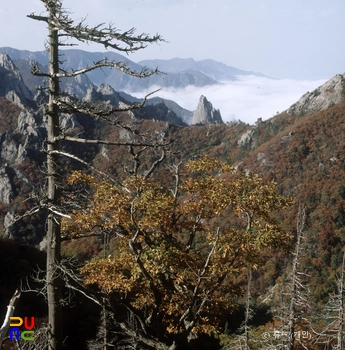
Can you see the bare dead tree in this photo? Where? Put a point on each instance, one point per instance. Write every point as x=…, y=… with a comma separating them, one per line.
x=10, y=310
x=341, y=306
x=332, y=315
x=293, y=301
x=296, y=284
x=248, y=315
x=62, y=27
x=241, y=342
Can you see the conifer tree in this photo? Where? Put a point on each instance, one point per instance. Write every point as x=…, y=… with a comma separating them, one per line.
x=61, y=28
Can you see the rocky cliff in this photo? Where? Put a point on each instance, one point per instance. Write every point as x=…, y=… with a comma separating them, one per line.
x=327, y=95
x=12, y=83
x=205, y=113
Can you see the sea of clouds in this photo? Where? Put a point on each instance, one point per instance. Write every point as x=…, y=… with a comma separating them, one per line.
x=246, y=99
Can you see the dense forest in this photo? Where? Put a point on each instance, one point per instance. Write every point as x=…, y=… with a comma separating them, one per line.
x=303, y=155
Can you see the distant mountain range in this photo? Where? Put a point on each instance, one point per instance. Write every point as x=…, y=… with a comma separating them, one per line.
x=214, y=70
x=176, y=72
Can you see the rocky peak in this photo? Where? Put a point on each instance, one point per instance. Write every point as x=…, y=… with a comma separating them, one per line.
x=205, y=113
x=327, y=95
x=104, y=93
x=6, y=63
x=158, y=111
x=109, y=94
x=77, y=86
x=11, y=81
x=6, y=192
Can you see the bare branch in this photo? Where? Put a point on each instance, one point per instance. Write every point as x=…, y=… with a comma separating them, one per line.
x=30, y=212
x=176, y=169
x=155, y=164
x=38, y=18
x=108, y=36
x=35, y=70
x=136, y=160
x=87, y=164
x=100, y=110
x=196, y=289
x=121, y=66
x=58, y=213
x=105, y=142
x=70, y=277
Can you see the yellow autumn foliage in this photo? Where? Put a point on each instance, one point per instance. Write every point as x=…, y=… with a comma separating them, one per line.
x=177, y=259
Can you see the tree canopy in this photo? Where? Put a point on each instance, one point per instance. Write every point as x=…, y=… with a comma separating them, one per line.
x=177, y=261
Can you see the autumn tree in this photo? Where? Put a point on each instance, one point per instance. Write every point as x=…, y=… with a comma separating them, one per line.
x=61, y=29
x=178, y=261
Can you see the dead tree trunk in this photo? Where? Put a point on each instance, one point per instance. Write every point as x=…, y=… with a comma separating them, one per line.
x=10, y=310
x=341, y=306
x=53, y=234
x=60, y=25
x=248, y=311
x=295, y=283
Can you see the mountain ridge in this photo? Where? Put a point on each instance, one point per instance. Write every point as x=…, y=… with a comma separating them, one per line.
x=331, y=93
x=75, y=58
x=213, y=69
x=185, y=72
x=79, y=86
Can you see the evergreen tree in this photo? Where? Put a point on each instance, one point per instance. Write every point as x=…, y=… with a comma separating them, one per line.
x=61, y=28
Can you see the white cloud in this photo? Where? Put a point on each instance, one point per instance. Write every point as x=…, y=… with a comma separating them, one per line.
x=246, y=99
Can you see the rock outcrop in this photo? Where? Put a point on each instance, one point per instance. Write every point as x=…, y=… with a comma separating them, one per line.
x=205, y=113
x=104, y=93
x=12, y=85
x=158, y=111
x=6, y=192
x=327, y=95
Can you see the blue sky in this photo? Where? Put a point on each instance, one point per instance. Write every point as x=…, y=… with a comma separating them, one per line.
x=293, y=39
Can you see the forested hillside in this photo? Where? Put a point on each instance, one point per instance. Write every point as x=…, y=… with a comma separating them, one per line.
x=206, y=236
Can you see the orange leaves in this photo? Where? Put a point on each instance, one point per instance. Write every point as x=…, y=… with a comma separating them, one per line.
x=111, y=274
x=207, y=194
x=150, y=206
x=253, y=195
x=182, y=257
x=207, y=165
x=78, y=177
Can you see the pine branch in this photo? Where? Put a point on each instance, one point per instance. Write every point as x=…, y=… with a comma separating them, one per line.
x=121, y=66
x=109, y=143
x=107, y=35
x=99, y=110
